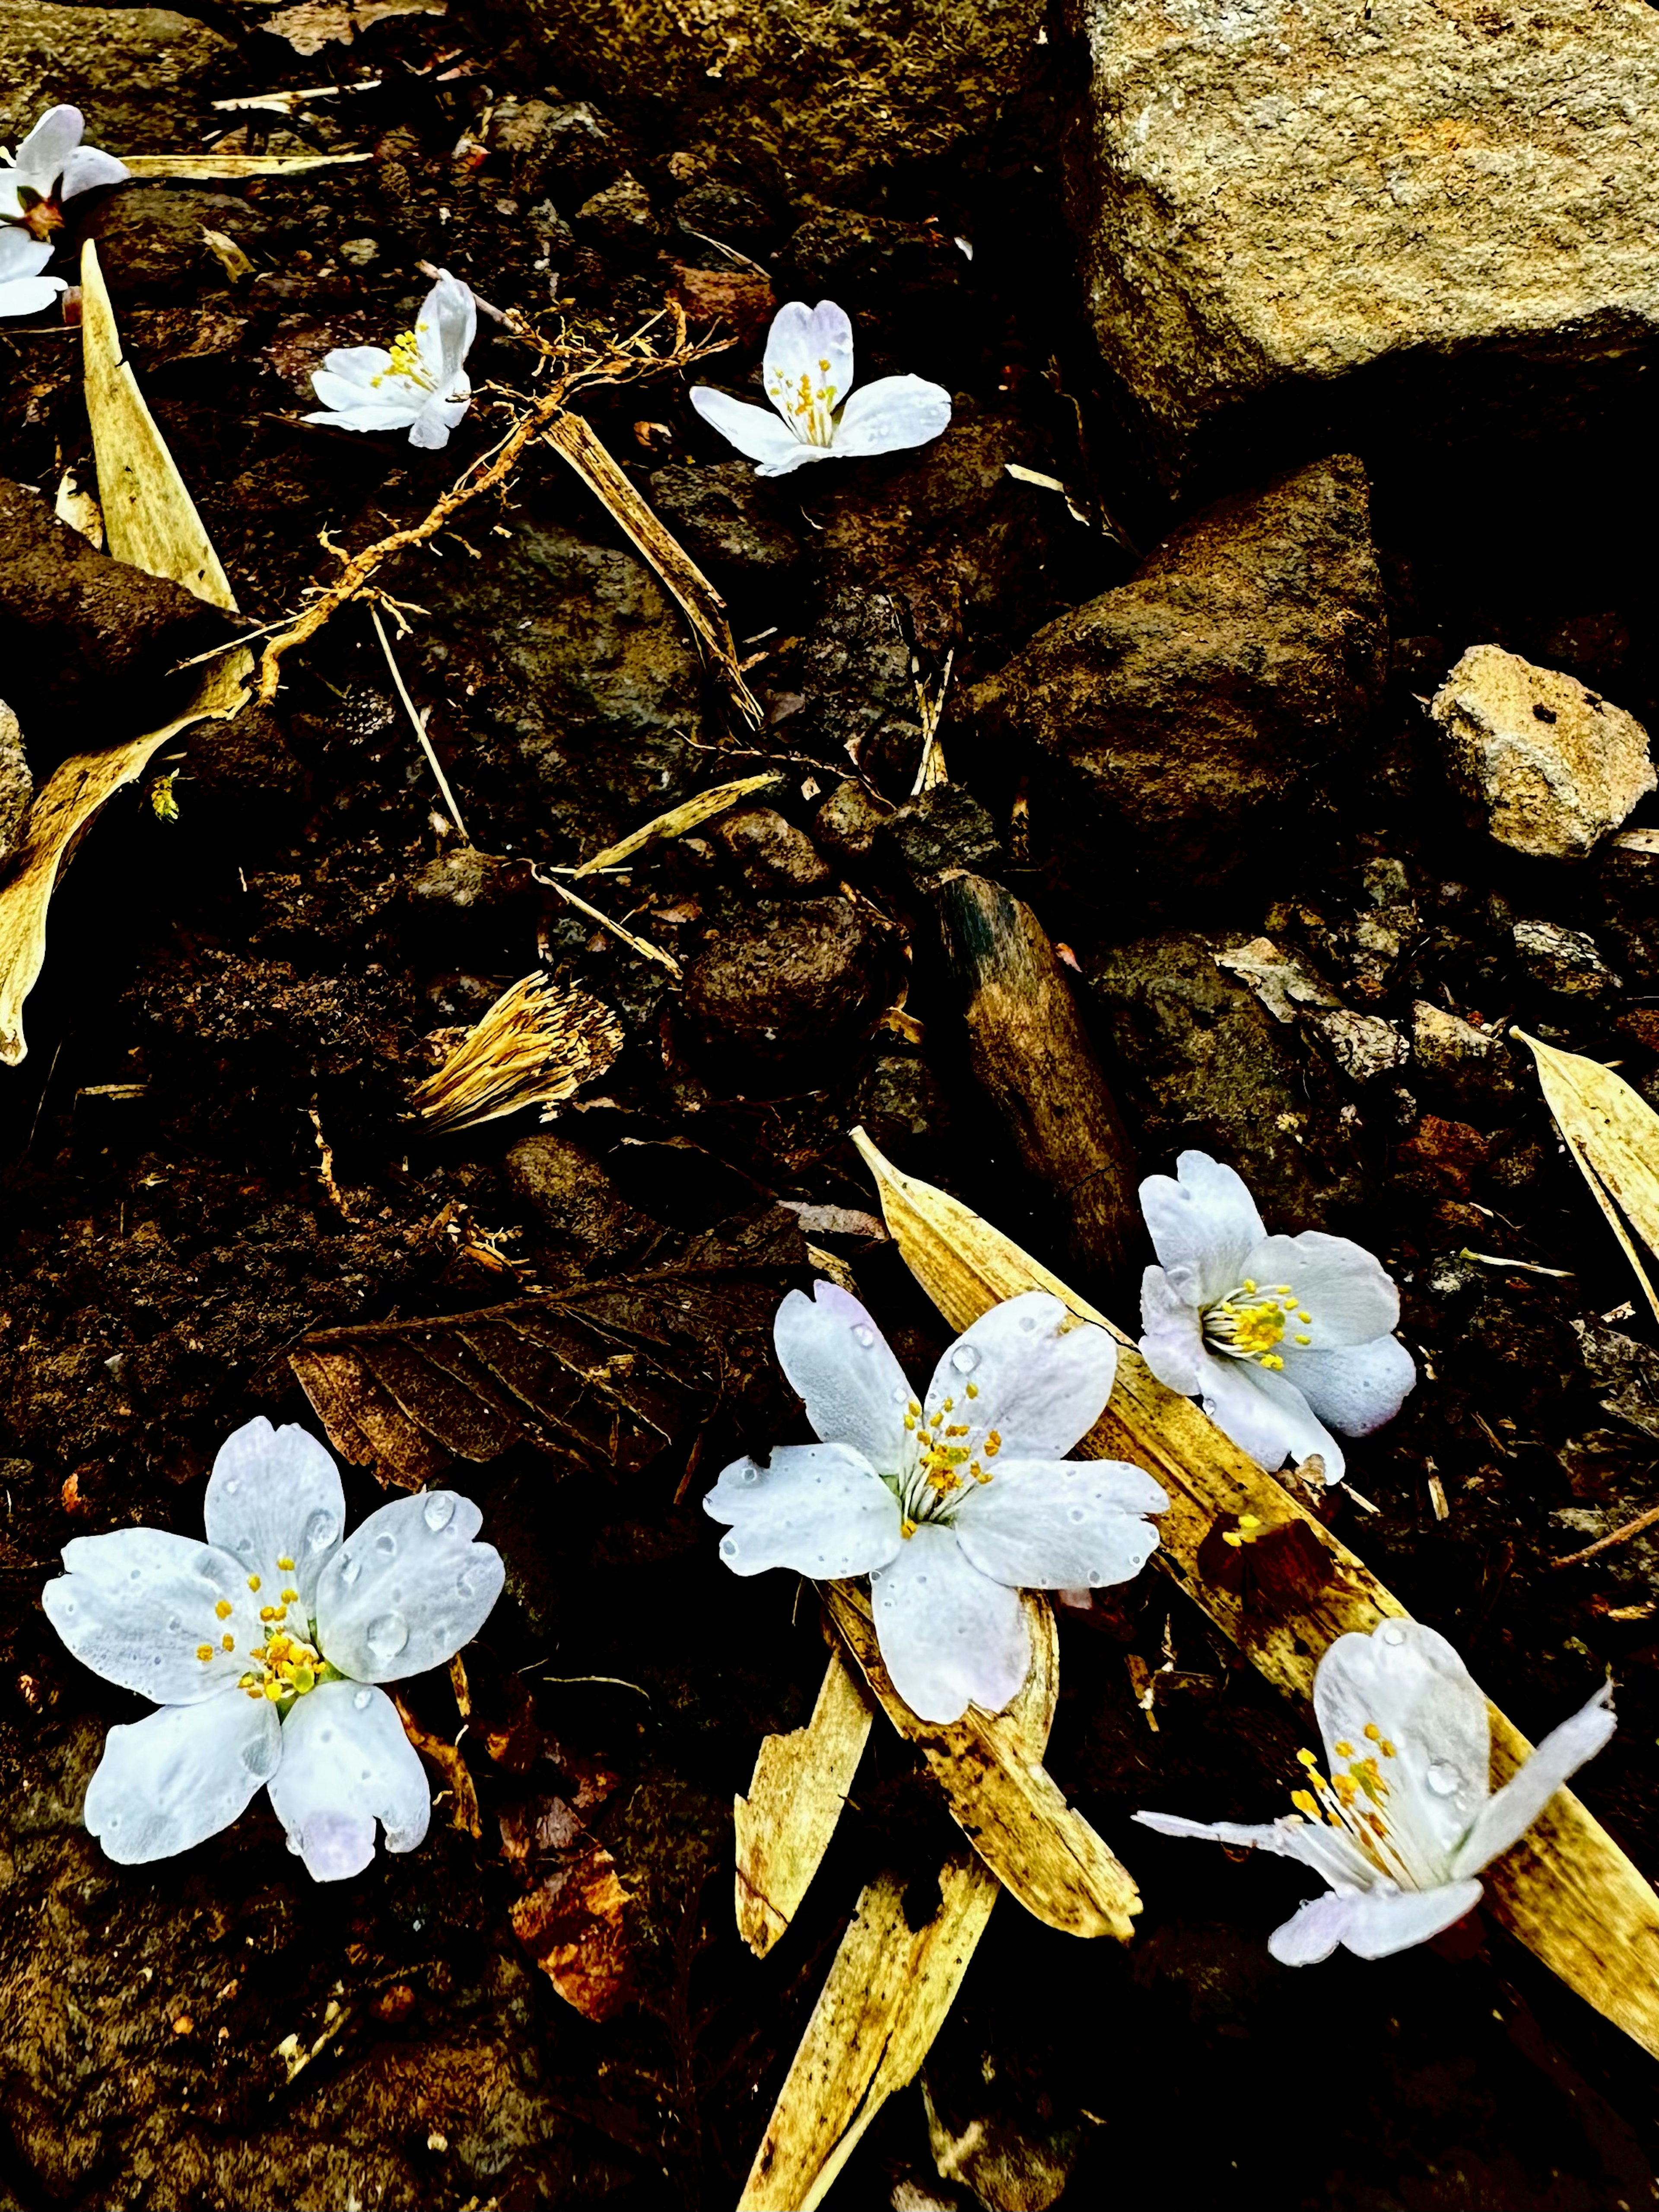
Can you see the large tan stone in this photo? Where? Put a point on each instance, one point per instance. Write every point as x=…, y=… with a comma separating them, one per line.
x=141, y=75
x=1554, y=766
x=1276, y=194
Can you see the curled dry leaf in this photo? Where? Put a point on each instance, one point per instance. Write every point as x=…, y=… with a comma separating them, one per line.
x=1614, y=1134
x=1566, y=1889
x=573, y=1923
x=446, y=1758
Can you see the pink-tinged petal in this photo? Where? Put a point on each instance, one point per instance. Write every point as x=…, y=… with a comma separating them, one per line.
x=1355, y=1390
x=136, y=1606
x=43, y=155
x=274, y=1494
x=808, y=367
x=1265, y=1415
x=1347, y=1291
x=87, y=170
x=1173, y=1345
x=950, y=1637
x=820, y=1510
x=1057, y=1524
x=346, y=1763
x=891, y=414
x=837, y=1360
x=1203, y=1224
x=753, y=430
x=28, y=295
x=167, y=1783
x=1409, y=1683
x=1020, y=1371
x=444, y=332
x=1507, y=1816
x=407, y=1589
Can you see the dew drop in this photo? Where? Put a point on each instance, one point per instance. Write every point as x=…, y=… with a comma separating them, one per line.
x=1078, y=1513
x=752, y=1474
x=386, y=1636
x=321, y=1530
x=324, y=1735
x=364, y=1775
x=260, y=1757
x=69, y=1605
x=136, y=1576
x=349, y=1570
x=361, y=1699
x=728, y=1547
x=900, y=1394
x=387, y=1544
x=921, y=1582
x=233, y=1485
x=864, y=1335
x=1394, y=1634
x=964, y=1359
x=1443, y=1778
x=245, y=1545
x=174, y=1624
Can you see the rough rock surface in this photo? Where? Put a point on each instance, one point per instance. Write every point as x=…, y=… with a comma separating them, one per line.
x=1271, y=197
x=815, y=97
x=135, y=73
x=1554, y=765
x=1178, y=731
x=16, y=784
x=784, y=979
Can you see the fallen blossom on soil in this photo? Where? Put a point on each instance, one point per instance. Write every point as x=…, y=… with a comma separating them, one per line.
x=421, y=385
x=263, y=1647
x=50, y=167
x=1282, y=1339
x=1406, y=1818
x=952, y=1504
x=808, y=371
x=23, y=290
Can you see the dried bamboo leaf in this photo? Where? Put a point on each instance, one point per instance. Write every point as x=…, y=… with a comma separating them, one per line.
x=785, y=1824
x=678, y=820
x=1614, y=1134
x=888, y=1992
x=1566, y=1889
x=201, y=166
x=999, y=1795
x=537, y=1043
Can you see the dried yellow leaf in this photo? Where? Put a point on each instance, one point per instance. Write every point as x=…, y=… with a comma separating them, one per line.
x=1614, y=1135
x=690, y=815
x=785, y=1824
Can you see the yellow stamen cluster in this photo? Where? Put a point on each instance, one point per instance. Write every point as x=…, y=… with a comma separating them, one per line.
x=292, y=1666
x=1355, y=1799
x=1250, y=1322
x=810, y=407
x=406, y=350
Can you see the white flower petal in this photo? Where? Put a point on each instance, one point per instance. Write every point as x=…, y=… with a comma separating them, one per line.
x=1355, y=1390
x=170, y=1781
x=87, y=169
x=444, y=332
x=950, y=1637
x=893, y=412
x=407, y=1589
x=43, y=154
x=23, y=256
x=1409, y=1683
x=1385, y=1920
x=1327, y=1850
x=432, y=426
x=390, y=415
x=1173, y=1345
x=1345, y=1290
x=837, y=1360
x=1506, y=1816
x=808, y=366
x=1203, y=1224
x=136, y=1605
x=276, y=1494
x=357, y=367
x=751, y=429
x=1059, y=1524
x=1313, y=1932
x=1265, y=1415
x=1040, y=1387
x=346, y=1763
x=821, y=1510
x=28, y=295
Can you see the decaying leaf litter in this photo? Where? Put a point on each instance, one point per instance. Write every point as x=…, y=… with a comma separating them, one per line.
x=220, y=1183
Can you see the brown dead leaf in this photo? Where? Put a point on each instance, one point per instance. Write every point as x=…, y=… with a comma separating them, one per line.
x=572, y=1925
x=446, y=1758
x=611, y=1375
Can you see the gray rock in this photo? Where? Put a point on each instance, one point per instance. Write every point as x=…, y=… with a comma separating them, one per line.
x=563, y=149
x=138, y=75
x=1179, y=730
x=944, y=832
x=570, y=1192
x=785, y=983
x=150, y=245
x=1563, y=962
x=815, y=101
x=1553, y=764
x=1272, y=199
x=619, y=216
x=848, y=821
x=1363, y=1046
x=1462, y=1065
x=730, y=520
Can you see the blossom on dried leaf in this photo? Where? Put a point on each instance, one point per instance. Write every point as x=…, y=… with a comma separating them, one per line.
x=50, y=167
x=263, y=1649
x=808, y=371
x=1282, y=1339
x=952, y=1503
x=421, y=385
x=1404, y=1817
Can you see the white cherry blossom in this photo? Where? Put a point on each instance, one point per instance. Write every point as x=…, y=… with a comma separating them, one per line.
x=23, y=290
x=50, y=166
x=951, y=1503
x=1403, y=1819
x=264, y=1648
x=808, y=373
x=1282, y=1339
x=421, y=385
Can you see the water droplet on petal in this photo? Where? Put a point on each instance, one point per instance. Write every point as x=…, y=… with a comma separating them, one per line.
x=1443, y=1778
x=863, y=1334
x=728, y=1547
x=964, y=1359
x=1078, y=1513
x=1394, y=1634
x=260, y=1757
x=321, y=1530
x=361, y=1699
x=387, y=1544
x=439, y=1511
x=386, y=1636
x=233, y=1485
x=245, y=1545
x=174, y=1624
x=752, y=1474
x=900, y=1394
x=1095, y=1578
x=364, y=1775
x=349, y=1571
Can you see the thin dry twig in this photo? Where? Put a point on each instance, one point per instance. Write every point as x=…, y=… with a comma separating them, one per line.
x=641, y=944
x=419, y=721
x=1606, y=1543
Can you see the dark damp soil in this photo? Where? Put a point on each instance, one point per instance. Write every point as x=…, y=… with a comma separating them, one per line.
x=207, y=1156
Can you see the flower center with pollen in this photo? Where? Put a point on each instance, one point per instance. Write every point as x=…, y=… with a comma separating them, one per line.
x=1354, y=1798
x=1249, y=1323
x=947, y=1453
x=406, y=360
x=809, y=407
x=286, y=1663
